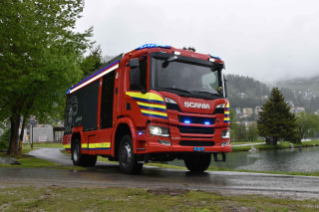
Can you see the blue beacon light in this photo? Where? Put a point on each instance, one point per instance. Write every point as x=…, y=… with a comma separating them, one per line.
x=153, y=45
x=187, y=121
x=207, y=123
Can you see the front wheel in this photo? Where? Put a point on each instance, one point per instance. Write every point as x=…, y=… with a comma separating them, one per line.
x=197, y=162
x=127, y=158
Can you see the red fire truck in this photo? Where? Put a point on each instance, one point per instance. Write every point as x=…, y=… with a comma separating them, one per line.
x=155, y=103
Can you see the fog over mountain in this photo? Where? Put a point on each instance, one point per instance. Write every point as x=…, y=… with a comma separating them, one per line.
x=267, y=40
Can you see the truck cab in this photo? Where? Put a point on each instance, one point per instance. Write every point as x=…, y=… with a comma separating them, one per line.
x=155, y=103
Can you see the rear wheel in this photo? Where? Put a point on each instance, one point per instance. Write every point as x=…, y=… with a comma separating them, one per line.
x=80, y=159
x=127, y=159
x=77, y=157
x=197, y=162
x=90, y=160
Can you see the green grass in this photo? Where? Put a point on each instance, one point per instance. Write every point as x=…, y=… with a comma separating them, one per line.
x=246, y=142
x=56, y=198
x=43, y=145
x=280, y=145
x=29, y=161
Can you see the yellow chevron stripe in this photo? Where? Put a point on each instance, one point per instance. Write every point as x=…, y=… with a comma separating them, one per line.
x=154, y=113
x=226, y=119
x=146, y=96
x=67, y=146
x=226, y=112
x=151, y=105
x=227, y=105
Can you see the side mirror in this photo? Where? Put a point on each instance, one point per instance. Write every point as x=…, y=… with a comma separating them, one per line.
x=225, y=83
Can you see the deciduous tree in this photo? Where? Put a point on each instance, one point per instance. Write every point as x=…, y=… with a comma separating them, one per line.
x=39, y=56
x=307, y=124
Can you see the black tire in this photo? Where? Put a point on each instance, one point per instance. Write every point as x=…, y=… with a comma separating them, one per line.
x=77, y=157
x=89, y=160
x=80, y=159
x=197, y=162
x=127, y=158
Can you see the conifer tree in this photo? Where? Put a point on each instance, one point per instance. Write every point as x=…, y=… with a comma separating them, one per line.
x=276, y=121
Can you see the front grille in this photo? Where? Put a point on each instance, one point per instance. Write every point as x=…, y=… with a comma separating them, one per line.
x=196, y=143
x=196, y=130
x=196, y=120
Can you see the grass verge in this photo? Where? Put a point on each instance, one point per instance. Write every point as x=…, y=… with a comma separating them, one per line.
x=29, y=161
x=43, y=145
x=56, y=198
x=280, y=145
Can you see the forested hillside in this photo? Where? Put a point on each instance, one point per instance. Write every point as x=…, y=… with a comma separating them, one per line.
x=248, y=92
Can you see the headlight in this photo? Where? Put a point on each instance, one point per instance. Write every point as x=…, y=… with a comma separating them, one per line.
x=224, y=143
x=159, y=131
x=220, y=106
x=171, y=101
x=225, y=134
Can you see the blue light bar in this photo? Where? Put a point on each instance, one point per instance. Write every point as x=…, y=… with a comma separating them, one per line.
x=207, y=123
x=212, y=56
x=187, y=121
x=140, y=133
x=154, y=45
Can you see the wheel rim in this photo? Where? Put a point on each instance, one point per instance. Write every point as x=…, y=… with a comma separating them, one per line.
x=126, y=154
x=76, y=153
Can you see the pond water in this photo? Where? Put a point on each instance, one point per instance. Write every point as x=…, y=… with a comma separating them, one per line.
x=287, y=160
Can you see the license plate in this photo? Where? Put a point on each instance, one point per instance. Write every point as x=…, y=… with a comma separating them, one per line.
x=199, y=149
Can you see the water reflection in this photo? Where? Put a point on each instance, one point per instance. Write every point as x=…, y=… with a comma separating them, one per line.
x=288, y=160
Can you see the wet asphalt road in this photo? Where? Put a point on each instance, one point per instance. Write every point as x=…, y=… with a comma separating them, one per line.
x=107, y=174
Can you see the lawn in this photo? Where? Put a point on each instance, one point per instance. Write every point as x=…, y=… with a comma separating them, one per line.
x=280, y=145
x=56, y=198
x=29, y=161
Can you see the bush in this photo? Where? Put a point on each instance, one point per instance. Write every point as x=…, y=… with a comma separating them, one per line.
x=5, y=139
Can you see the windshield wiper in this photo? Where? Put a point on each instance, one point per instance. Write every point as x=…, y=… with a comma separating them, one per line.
x=176, y=89
x=206, y=92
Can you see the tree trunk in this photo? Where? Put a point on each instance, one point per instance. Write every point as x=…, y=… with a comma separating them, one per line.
x=21, y=138
x=275, y=140
x=14, y=139
x=11, y=134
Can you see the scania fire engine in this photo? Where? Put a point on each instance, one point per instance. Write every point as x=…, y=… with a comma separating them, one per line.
x=155, y=103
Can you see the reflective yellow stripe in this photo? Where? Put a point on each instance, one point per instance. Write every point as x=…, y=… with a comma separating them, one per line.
x=103, y=145
x=91, y=146
x=146, y=96
x=226, y=119
x=67, y=146
x=154, y=113
x=97, y=145
x=226, y=112
x=227, y=106
x=151, y=105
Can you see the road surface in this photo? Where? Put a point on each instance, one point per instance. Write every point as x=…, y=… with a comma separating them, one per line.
x=108, y=174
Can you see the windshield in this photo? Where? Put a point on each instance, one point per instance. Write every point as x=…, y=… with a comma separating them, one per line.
x=186, y=78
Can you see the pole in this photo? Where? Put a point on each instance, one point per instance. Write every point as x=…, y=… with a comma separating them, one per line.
x=32, y=138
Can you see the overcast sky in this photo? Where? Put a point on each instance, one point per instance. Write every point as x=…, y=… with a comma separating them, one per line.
x=267, y=40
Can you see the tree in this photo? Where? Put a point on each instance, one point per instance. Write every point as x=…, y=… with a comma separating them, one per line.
x=275, y=121
x=307, y=124
x=233, y=124
x=39, y=57
x=93, y=61
x=252, y=131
